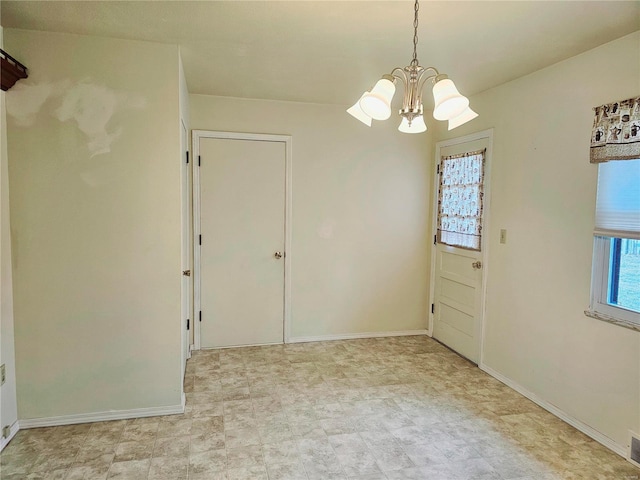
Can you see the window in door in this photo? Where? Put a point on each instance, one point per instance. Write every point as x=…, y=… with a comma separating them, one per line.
x=460, y=200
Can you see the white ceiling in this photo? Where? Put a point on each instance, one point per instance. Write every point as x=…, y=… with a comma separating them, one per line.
x=331, y=51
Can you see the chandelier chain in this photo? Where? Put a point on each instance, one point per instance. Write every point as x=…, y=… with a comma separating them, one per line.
x=414, y=61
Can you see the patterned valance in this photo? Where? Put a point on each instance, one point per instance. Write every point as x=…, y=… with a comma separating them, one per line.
x=616, y=131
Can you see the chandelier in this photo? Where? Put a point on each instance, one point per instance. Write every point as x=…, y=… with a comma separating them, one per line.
x=449, y=104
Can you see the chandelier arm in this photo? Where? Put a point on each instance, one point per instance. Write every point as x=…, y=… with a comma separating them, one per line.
x=402, y=77
x=424, y=79
x=425, y=75
x=400, y=74
x=433, y=69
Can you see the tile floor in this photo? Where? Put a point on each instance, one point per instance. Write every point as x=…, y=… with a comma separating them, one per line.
x=389, y=408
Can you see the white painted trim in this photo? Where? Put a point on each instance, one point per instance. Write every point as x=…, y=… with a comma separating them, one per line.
x=195, y=191
x=288, y=236
x=434, y=229
x=562, y=415
x=104, y=416
x=599, y=308
x=196, y=135
x=241, y=346
x=185, y=249
x=352, y=336
x=14, y=429
x=488, y=135
x=615, y=321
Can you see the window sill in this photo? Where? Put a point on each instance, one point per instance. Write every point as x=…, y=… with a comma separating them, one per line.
x=615, y=321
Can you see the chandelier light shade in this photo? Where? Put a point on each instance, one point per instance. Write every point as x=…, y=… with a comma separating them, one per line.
x=377, y=102
x=464, y=117
x=356, y=112
x=449, y=104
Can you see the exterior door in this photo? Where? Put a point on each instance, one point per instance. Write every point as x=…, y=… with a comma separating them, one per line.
x=242, y=241
x=460, y=219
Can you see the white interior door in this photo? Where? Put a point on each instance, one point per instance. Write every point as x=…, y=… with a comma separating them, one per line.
x=458, y=269
x=242, y=244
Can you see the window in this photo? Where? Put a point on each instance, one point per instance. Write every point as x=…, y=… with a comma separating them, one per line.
x=615, y=292
x=460, y=200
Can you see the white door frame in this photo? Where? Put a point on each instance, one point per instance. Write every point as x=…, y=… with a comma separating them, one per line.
x=185, y=246
x=488, y=135
x=197, y=135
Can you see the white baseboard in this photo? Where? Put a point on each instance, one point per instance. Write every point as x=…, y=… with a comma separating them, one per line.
x=241, y=346
x=104, y=416
x=583, y=427
x=14, y=429
x=352, y=336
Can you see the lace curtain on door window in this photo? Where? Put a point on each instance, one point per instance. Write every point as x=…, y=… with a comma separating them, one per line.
x=460, y=200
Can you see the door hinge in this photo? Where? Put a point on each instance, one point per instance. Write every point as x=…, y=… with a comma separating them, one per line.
x=199, y=239
x=435, y=239
x=187, y=152
x=198, y=160
x=188, y=324
x=200, y=316
x=3, y=374
x=433, y=308
x=437, y=169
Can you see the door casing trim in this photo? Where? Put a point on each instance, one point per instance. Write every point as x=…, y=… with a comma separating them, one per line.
x=186, y=297
x=488, y=135
x=197, y=135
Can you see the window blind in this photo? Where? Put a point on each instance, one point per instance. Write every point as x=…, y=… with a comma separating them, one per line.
x=618, y=199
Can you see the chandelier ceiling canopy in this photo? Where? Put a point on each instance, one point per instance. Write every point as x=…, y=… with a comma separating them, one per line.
x=449, y=104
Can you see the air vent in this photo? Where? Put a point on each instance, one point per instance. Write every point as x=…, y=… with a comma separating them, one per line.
x=634, y=449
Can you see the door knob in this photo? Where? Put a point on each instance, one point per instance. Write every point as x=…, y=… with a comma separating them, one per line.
x=277, y=255
x=477, y=265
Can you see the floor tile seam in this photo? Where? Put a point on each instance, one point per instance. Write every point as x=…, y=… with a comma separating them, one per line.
x=155, y=441
x=75, y=457
x=113, y=460
x=189, y=458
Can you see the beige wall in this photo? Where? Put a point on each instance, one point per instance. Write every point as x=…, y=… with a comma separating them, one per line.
x=360, y=214
x=8, y=403
x=543, y=193
x=95, y=212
